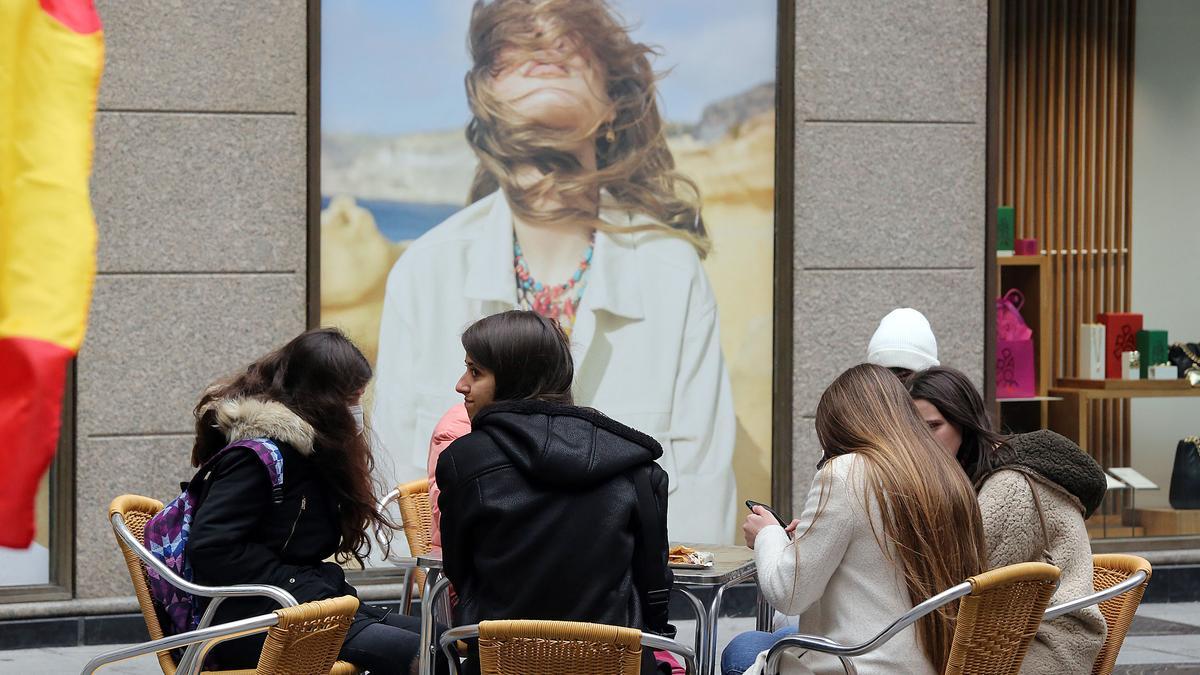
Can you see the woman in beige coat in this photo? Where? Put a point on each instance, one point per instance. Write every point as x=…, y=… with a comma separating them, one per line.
x=1035, y=491
x=889, y=521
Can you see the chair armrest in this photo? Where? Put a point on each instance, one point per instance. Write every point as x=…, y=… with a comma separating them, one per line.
x=388, y=499
x=650, y=640
x=281, y=596
x=213, y=635
x=816, y=643
x=453, y=635
x=675, y=647
x=1136, y=579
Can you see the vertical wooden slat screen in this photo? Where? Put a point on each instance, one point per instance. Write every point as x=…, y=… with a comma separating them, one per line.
x=1065, y=161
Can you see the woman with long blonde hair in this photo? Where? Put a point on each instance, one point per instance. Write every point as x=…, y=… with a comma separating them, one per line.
x=576, y=212
x=890, y=520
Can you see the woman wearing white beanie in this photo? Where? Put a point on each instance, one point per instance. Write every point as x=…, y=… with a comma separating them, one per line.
x=904, y=342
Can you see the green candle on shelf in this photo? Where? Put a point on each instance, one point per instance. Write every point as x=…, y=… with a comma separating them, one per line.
x=1152, y=344
x=1005, y=230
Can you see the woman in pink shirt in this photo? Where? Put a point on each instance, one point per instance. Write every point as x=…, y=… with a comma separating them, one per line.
x=453, y=424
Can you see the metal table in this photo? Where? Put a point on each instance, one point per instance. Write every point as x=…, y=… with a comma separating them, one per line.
x=732, y=565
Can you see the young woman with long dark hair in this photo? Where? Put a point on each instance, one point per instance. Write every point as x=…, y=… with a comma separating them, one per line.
x=1035, y=491
x=549, y=510
x=302, y=399
x=890, y=521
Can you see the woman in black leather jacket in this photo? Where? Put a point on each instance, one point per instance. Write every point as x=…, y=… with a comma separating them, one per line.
x=303, y=398
x=540, y=502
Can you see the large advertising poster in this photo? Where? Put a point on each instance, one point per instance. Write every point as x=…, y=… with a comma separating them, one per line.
x=608, y=164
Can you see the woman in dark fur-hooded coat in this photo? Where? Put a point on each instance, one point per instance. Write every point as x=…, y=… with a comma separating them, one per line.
x=302, y=400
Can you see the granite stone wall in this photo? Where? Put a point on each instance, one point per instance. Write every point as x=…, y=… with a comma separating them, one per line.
x=199, y=190
x=890, y=182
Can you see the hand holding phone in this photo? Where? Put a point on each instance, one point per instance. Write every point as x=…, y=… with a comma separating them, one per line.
x=750, y=504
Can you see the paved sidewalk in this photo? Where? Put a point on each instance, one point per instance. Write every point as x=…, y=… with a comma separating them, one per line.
x=1165, y=639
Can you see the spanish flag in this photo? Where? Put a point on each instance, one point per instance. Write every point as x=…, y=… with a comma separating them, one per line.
x=51, y=56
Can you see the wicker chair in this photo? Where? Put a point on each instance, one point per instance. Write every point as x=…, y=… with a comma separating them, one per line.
x=551, y=647
x=301, y=640
x=998, y=614
x=129, y=514
x=416, y=518
x=999, y=618
x=1121, y=573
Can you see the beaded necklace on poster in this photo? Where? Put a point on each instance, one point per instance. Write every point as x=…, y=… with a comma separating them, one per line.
x=559, y=301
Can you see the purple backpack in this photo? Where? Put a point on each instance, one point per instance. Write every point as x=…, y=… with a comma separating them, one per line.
x=166, y=536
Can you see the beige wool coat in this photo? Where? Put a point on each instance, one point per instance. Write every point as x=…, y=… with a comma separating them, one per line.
x=1070, y=643
x=838, y=578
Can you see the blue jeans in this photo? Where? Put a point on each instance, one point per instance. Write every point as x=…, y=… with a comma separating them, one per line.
x=741, y=651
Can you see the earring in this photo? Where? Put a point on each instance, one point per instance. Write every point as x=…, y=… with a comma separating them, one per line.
x=610, y=135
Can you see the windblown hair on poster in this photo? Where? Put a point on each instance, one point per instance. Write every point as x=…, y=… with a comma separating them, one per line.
x=633, y=163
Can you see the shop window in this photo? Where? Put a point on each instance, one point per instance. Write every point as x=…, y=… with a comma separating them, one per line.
x=1097, y=140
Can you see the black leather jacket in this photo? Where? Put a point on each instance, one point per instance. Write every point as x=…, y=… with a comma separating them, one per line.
x=540, y=518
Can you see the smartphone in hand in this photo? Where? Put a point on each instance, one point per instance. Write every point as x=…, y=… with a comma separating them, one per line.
x=750, y=504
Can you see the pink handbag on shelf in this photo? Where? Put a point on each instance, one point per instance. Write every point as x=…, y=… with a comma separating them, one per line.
x=1014, y=349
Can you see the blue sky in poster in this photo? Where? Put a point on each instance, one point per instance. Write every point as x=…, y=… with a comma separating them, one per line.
x=396, y=66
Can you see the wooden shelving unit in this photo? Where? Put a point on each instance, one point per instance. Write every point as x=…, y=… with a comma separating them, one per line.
x=1112, y=388
x=1029, y=274
x=1069, y=413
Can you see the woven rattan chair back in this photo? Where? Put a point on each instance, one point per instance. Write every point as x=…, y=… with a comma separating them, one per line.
x=1107, y=571
x=416, y=514
x=551, y=647
x=136, y=511
x=998, y=619
x=308, y=637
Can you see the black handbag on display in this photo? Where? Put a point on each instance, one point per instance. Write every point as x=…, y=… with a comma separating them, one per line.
x=1184, y=355
x=1185, y=476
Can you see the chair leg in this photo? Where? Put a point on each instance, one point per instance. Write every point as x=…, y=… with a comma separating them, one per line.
x=406, y=598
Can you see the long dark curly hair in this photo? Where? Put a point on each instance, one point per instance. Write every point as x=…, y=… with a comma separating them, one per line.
x=317, y=376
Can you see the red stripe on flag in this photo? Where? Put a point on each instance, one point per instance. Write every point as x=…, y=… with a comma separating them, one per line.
x=32, y=376
x=78, y=15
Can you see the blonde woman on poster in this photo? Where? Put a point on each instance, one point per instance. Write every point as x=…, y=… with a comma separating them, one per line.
x=577, y=213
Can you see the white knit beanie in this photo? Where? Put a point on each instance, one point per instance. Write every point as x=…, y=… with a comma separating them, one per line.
x=903, y=340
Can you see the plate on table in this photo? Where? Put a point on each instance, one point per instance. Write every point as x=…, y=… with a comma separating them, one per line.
x=683, y=557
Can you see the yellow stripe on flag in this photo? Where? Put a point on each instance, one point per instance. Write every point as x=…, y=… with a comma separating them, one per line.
x=49, y=81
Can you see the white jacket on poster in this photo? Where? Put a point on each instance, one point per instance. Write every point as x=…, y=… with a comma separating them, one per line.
x=646, y=346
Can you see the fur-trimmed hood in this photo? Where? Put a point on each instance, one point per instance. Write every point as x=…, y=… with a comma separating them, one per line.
x=245, y=418
x=1062, y=464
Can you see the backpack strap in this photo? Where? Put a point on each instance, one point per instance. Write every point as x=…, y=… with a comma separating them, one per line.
x=267, y=452
x=1037, y=505
x=649, y=569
